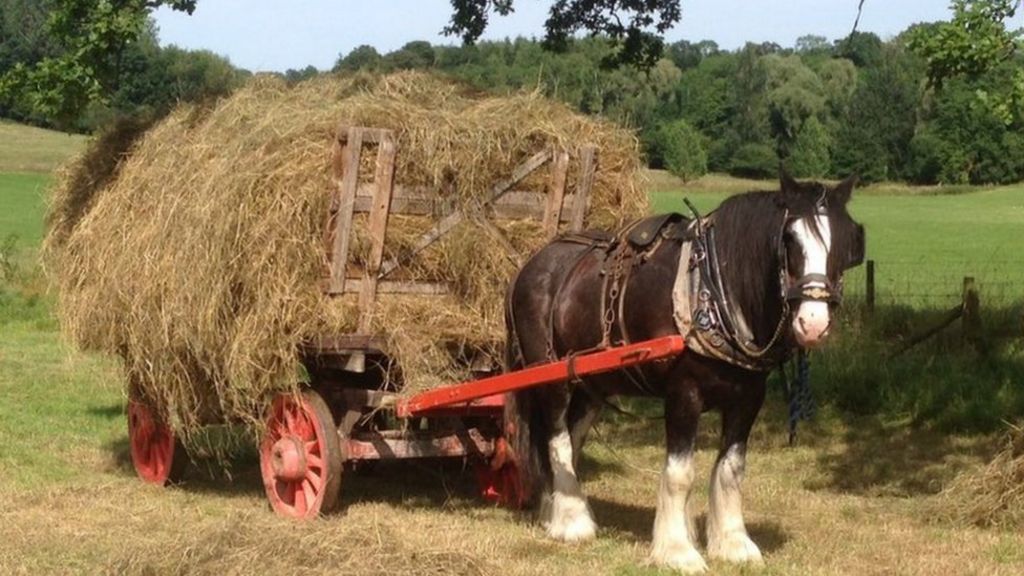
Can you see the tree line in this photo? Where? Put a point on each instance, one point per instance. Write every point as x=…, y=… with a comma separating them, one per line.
x=898, y=109
x=826, y=109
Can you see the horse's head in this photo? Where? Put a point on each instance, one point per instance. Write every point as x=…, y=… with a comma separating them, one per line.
x=820, y=241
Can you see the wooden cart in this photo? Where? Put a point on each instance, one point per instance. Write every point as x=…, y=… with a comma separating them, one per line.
x=348, y=412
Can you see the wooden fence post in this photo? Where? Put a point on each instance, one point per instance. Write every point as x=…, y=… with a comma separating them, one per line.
x=870, y=285
x=971, y=320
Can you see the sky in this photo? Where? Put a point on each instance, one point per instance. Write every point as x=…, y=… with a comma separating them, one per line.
x=268, y=35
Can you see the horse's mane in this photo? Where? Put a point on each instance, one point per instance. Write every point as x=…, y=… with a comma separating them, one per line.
x=747, y=228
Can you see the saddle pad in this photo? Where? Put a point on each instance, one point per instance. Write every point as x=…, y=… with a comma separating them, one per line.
x=645, y=231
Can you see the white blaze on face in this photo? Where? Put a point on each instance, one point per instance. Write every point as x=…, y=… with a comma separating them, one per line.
x=811, y=321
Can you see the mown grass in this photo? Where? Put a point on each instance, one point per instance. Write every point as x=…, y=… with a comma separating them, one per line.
x=29, y=149
x=855, y=496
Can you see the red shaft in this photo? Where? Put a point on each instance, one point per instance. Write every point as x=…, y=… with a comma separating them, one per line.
x=558, y=371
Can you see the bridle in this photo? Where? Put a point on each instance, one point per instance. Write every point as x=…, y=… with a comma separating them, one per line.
x=802, y=290
x=812, y=287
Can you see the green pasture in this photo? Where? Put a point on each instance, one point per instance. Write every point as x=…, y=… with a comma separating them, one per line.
x=922, y=244
x=23, y=206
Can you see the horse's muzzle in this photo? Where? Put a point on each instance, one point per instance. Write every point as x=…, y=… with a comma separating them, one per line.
x=811, y=323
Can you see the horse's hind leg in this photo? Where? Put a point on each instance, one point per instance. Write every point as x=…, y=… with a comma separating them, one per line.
x=568, y=516
x=674, y=530
x=727, y=533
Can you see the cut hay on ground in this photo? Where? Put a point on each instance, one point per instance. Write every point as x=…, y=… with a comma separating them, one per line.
x=200, y=263
x=992, y=496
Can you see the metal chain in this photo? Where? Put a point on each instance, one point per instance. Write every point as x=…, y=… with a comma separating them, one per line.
x=613, y=293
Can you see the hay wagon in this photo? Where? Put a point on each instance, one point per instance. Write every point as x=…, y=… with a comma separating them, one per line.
x=353, y=409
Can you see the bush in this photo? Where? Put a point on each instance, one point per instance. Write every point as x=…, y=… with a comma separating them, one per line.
x=811, y=153
x=754, y=160
x=680, y=147
x=928, y=153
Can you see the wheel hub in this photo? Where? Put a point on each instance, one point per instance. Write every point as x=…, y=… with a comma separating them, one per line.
x=288, y=458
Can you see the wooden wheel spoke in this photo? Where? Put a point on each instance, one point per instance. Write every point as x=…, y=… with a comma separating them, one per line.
x=306, y=428
x=314, y=480
x=314, y=461
x=289, y=418
x=299, y=499
x=309, y=494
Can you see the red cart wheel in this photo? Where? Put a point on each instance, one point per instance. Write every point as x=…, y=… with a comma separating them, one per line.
x=499, y=480
x=158, y=456
x=300, y=456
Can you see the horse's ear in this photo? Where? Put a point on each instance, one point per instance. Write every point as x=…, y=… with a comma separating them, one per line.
x=842, y=192
x=789, y=189
x=786, y=182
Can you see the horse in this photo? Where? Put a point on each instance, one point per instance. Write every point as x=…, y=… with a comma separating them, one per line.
x=762, y=275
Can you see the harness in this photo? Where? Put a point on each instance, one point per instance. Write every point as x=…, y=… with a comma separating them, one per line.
x=703, y=311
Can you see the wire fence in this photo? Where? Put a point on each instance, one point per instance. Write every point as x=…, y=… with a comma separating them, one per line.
x=937, y=283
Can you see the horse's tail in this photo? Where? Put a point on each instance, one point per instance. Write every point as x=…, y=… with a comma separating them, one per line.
x=523, y=420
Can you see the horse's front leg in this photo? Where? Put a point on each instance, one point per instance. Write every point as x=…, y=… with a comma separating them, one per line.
x=727, y=534
x=674, y=529
x=569, y=518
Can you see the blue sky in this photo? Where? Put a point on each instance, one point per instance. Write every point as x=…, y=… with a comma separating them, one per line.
x=272, y=35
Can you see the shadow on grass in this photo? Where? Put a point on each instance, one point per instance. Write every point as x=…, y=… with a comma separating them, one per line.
x=238, y=476
x=635, y=524
x=109, y=412
x=875, y=458
x=594, y=469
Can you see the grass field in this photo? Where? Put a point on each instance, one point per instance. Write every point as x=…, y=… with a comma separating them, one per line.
x=923, y=244
x=28, y=149
x=22, y=206
x=855, y=496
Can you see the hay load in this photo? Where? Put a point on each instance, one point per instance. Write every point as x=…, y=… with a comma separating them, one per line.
x=200, y=263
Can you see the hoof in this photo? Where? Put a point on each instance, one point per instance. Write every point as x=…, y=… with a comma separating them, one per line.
x=579, y=528
x=686, y=561
x=735, y=547
x=570, y=519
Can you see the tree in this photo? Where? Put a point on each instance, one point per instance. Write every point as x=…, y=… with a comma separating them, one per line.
x=22, y=41
x=794, y=94
x=361, y=57
x=90, y=37
x=293, y=76
x=810, y=155
x=862, y=48
x=682, y=150
x=973, y=43
x=875, y=136
x=754, y=160
x=635, y=26
x=417, y=54
x=811, y=43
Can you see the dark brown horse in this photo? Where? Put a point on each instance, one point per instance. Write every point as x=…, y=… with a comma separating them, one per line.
x=766, y=268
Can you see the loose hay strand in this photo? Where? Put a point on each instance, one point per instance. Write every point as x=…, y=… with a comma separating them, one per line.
x=199, y=260
x=992, y=496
